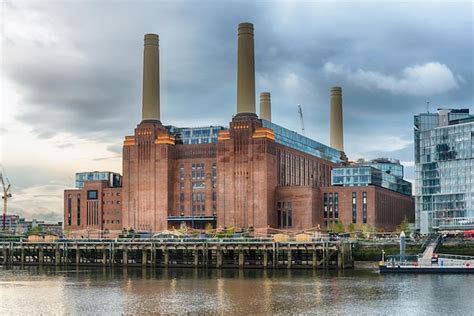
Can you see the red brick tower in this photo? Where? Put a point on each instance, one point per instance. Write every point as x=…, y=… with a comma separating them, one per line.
x=147, y=156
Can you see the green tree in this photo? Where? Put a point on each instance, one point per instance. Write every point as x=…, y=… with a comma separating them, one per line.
x=367, y=230
x=404, y=226
x=230, y=231
x=34, y=230
x=337, y=227
x=351, y=227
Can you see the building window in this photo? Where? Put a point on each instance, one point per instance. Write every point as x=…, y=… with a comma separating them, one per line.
x=69, y=210
x=279, y=214
x=181, y=185
x=198, y=200
x=336, y=205
x=284, y=214
x=92, y=194
x=354, y=207
x=181, y=197
x=325, y=205
x=199, y=185
x=290, y=214
x=364, y=204
x=214, y=170
x=78, y=210
x=330, y=205
x=181, y=172
x=197, y=171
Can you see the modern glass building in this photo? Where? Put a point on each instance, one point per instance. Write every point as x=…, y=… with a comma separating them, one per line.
x=444, y=170
x=114, y=179
x=302, y=143
x=388, y=165
x=195, y=135
x=366, y=175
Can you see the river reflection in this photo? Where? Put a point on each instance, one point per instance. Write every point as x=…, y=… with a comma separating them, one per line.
x=82, y=291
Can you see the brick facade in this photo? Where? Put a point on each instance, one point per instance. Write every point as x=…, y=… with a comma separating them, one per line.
x=385, y=209
x=95, y=207
x=246, y=179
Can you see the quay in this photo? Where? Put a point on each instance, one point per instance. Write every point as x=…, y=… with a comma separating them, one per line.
x=206, y=253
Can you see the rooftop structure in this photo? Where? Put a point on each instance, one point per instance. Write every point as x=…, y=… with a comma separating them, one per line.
x=444, y=169
x=366, y=175
x=388, y=165
x=113, y=178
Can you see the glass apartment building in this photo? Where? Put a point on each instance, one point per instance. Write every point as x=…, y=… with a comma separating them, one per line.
x=366, y=175
x=388, y=165
x=114, y=179
x=444, y=170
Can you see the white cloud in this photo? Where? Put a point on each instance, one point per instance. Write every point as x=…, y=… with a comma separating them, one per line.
x=418, y=80
x=42, y=202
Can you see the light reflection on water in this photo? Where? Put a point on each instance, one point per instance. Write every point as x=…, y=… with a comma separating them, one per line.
x=145, y=291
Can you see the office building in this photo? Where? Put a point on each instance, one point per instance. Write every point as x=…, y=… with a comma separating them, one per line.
x=444, y=170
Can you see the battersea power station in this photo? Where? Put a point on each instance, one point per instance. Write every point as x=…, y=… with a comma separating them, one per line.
x=251, y=174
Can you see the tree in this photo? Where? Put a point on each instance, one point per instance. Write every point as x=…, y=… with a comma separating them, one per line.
x=367, y=230
x=337, y=227
x=351, y=227
x=35, y=230
x=404, y=226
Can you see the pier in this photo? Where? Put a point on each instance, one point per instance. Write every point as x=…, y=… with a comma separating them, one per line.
x=182, y=253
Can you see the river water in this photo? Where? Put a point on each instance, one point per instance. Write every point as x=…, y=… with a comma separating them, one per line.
x=362, y=291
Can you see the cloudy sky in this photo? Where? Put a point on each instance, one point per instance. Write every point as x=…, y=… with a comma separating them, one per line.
x=70, y=76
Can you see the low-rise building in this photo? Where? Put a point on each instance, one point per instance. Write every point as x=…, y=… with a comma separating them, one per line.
x=96, y=207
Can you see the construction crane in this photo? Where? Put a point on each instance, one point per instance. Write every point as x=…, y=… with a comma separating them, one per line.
x=6, y=195
x=300, y=112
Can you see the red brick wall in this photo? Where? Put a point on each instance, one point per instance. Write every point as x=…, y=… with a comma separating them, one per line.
x=385, y=208
x=305, y=205
x=103, y=213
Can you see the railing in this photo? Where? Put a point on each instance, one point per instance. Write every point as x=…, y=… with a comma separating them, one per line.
x=455, y=257
x=397, y=259
x=455, y=222
x=179, y=241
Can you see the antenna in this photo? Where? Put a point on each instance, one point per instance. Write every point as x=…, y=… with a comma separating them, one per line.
x=300, y=112
x=428, y=107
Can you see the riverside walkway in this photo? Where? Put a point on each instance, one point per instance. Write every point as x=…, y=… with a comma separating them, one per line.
x=216, y=253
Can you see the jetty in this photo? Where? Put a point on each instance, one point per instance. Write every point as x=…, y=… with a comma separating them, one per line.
x=200, y=253
x=427, y=262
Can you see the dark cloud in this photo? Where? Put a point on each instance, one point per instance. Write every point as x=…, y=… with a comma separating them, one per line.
x=80, y=69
